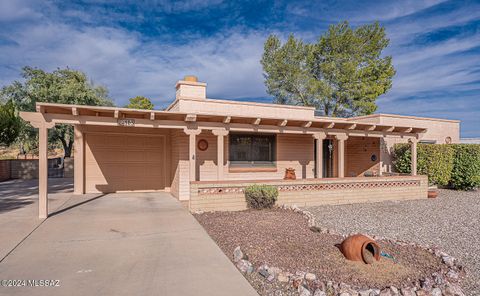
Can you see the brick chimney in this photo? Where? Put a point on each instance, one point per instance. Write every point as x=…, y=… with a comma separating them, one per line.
x=190, y=88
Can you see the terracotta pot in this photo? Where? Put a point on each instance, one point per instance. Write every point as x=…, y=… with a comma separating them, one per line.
x=359, y=247
x=290, y=174
x=432, y=193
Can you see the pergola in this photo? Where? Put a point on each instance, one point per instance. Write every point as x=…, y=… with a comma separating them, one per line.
x=193, y=124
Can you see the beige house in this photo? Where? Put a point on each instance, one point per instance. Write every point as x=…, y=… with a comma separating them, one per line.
x=205, y=151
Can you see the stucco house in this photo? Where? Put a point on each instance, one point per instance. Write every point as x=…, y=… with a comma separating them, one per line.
x=205, y=151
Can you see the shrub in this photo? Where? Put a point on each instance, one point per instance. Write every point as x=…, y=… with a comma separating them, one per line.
x=435, y=161
x=261, y=196
x=466, y=167
x=401, y=158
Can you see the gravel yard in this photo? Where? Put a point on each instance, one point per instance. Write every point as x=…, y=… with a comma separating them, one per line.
x=282, y=238
x=451, y=222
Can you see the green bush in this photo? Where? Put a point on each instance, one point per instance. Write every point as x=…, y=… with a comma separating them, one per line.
x=454, y=164
x=435, y=161
x=261, y=196
x=466, y=167
x=401, y=158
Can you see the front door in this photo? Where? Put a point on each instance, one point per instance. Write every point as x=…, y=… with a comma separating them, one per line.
x=327, y=160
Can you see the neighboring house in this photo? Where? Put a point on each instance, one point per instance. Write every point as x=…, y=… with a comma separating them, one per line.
x=470, y=140
x=206, y=151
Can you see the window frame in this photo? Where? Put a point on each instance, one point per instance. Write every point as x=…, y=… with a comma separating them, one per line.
x=253, y=164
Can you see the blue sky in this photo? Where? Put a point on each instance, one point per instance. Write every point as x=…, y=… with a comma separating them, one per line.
x=144, y=48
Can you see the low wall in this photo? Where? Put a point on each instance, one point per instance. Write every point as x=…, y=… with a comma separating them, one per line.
x=28, y=168
x=229, y=196
x=4, y=170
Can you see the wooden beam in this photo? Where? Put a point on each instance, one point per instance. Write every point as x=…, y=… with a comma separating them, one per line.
x=283, y=122
x=352, y=126
x=74, y=111
x=307, y=124
x=116, y=114
x=329, y=125
x=389, y=129
x=152, y=115
x=227, y=119
x=371, y=127
x=257, y=121
x=407, y=130
x=190, y=117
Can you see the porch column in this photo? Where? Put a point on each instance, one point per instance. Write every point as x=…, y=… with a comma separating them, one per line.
x=43, y=168
x=341, y=154
x=78, y=170
x=319, y=157
x=192, y=151
x=413, y=149
x=220, y=153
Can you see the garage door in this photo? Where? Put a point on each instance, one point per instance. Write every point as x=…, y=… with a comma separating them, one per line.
x=121, y=162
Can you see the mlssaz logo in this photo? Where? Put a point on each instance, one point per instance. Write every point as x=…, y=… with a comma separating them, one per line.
x=126, y=122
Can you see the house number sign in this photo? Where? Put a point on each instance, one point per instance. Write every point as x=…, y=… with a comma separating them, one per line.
x=126, y=122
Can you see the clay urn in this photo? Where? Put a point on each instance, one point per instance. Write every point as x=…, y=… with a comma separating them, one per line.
x=359, y=247
x=290, y=174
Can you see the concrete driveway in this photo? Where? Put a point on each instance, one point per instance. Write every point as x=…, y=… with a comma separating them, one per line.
x=115, y=244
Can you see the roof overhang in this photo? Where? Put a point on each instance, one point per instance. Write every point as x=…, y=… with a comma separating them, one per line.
x=113, y=116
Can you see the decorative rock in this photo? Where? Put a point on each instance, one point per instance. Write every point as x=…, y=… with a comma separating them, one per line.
x=448, y=260
x=303, y=291
x=330, y=289
x=386, y=292
x=408, y=292
x=422, y=293
x=319, y=292
x=426, y=284
x=310, y=276
x=245, y=266
x=436, y=292
x=237, y=254
x=452, y=274
x=453, y=290
x=365, y=292
x=297, y=281
x=394, y=291
x=376, y=292
x=300, y=273
x=344, y=294
x=263, y=271
x=282, y=277
x=271, y=277
x=438, y=279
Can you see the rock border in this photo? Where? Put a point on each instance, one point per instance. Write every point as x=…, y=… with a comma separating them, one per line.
x=306, y=284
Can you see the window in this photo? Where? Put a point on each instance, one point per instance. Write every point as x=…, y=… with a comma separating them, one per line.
x=252, y=150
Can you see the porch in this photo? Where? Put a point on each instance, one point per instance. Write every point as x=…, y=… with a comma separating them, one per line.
x=229, y=195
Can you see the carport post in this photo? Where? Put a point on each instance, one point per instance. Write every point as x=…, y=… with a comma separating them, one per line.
x=43, y=168
x=78, y=169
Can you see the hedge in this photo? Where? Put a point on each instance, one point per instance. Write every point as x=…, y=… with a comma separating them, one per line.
x=457, y=165
x=466, y=167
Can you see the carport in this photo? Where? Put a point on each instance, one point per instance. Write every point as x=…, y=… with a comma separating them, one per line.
x=115, y=149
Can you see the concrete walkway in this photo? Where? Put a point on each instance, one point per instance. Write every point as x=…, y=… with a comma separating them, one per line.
x=120, y=244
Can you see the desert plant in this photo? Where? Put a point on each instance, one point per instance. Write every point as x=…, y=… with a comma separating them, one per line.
x=466, y=167
x=261, y=196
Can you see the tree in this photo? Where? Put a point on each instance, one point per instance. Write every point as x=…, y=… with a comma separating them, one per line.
x=340, y=75
x=10, y=124
x=140, y=102
x=64, y=86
